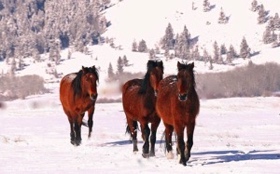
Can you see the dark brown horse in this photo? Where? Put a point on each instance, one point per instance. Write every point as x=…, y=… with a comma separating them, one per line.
x=78, y=94
x=178, y=105
x=138, y=98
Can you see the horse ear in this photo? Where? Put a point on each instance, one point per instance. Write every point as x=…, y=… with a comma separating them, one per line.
x=192, y=65
x=178, y=65
x=83, y=69
x=160, y=64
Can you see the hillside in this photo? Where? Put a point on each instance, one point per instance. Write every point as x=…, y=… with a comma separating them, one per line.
x=143, y=19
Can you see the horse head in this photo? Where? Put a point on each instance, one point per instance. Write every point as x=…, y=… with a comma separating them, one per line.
x=89, y=81
x=155, y=68
x=185, y=80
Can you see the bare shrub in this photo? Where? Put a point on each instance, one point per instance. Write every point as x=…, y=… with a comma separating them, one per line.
x=21, y=87
x=249, y=81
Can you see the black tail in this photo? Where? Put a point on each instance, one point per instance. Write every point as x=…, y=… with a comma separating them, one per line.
x=135, y=125
x=84, y=123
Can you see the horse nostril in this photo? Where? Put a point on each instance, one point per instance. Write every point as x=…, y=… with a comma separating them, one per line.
x=93, y=96
x=183, y=97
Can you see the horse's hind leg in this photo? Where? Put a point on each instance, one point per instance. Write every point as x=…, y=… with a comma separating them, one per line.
x=72, y=133
x=153, y=138
x=145, y=134
x=132, y=128
x=77, y=127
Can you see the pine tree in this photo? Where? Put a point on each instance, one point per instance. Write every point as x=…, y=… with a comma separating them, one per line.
x=222, y=19
x=152, y=54
x=270, y=24
x=262, y=15
x=254, y=5
x=142, y=47
x=276, y=20
x=211, y=67
x=232, y=51
x=120, y=65
x=134, y=46
x=110, y=71
x=168, y=39
x=244, y=49
x=229, y=57
x=223, y=49
x=217, y=55
x=125, y=61
x=205, y=56
x=267, y=36
x=196, y=54
x=206, y=6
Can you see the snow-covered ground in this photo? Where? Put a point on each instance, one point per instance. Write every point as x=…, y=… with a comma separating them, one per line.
x=237, y=135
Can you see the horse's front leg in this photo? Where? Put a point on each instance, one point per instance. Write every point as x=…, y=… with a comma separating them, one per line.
x=145, y=135
x=168, y=140
x=154, y=127
x=180, y=143
x=77, y=128
x=190, y=131
x=90, y=120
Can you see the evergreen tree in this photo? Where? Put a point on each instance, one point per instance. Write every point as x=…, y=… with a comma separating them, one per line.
x=276, y=20
x=166, y=54
x=254, y=5
x=217, y=55
x=196, y=54
x=270, y=24
x=205, y=56
x=125, y=61
x=267, y=36
x=229, y=57
x=120, y=65
x=142, y=47
x=262, y=15
x=110, y=71
x=244, y=49
x=211, y=67
x=232, y=51
x=168, y=39
x=152, y=54
x=223, y=49
x=206, y=6
x=134, y=46
x=222, y=19
x=276, y=43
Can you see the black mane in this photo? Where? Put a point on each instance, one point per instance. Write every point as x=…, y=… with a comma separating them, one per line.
x=76, y=83
x=146, y=81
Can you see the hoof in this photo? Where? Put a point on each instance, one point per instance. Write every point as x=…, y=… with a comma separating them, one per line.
x=73, y=142
x=146, y=155
x=152, y=154
x=170, y=155
x=183, y=162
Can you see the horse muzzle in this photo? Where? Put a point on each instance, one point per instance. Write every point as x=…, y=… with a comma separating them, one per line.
x=93, y=97
x=183, y=97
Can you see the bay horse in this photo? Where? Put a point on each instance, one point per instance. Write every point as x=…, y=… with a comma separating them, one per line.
x=178, y=105
x=78, y=94
x=138, y=99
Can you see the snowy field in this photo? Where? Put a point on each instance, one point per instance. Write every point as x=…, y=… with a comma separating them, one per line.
x=237, y=135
